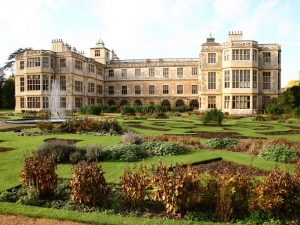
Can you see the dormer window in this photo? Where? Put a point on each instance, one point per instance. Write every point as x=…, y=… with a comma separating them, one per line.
x=97, y=52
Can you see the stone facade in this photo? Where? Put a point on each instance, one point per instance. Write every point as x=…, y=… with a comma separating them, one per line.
x=238, y=76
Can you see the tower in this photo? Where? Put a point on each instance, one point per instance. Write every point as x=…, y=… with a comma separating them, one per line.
x=100, y=53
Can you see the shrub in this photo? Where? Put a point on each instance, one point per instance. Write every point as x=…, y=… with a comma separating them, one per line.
x=124, y=153
x=59, y=150
x=88, y=184
x=131, y=138
x=160, y=115
x=274, y=109
x=296, y=111
x=127, y=110
x=233, y=193
x=77, y=156
x=92, y=109
x=279, y=153
x=94, y=153
x=277, y=193
x=135, y=184
x=111, y=109
x=251, y=146
x=178, y=190
x=45, y=127
x=213, y=116
x=222, y=143
x=39, y=172
x=259, y=118
x=183, y=140
x=162, y=148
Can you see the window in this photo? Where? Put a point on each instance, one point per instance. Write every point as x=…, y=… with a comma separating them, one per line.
x=227, y=79
x=99, y=71
x=254, y=55
x=254, y=102
x=240, y=78
x=45, y=81
x=151, y=90
x=91, y=68
x=111, y=90
x=254, y=79
x=22, y=103
x=137, y=89
x=240, y=54
x=180, y=89
x=211, y=58
x=78, y=65
x=266, y=80
x=179, y=72
x=267, y=57
x=211, y=102
x=110, y=73
x=62, y=63
x=21, y=65
x=99, y=89
x=124, y=90
x=226, y=55
x=97, y=52
x=33, y=102
x=78, y=86
x=22, y=84
x=45, y=62
x=63, y=102
x=33, y=82
x=194, y=104
x=45, y=103
x=91, y=87
x=179, y=103
x=151, y=72
x=165, y=72
x=91, y=101
x=137, y=72
x=226, y=102
x=211, y=80
x=165, y=89
x=194, y=89
x=124, y=72
x=240, y=102
x=266, y=100
x=62, y=83
x=33, y=62
x=194, y=70
x=78, y=102
x=51, y=63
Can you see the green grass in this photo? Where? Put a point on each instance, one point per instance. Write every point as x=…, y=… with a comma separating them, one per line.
x=11, y=162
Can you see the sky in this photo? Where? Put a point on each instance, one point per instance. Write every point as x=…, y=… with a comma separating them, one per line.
x=140, y=29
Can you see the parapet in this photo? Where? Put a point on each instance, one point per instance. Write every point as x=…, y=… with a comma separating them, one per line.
x=235, y=35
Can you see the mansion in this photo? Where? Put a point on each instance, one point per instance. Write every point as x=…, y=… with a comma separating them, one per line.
x=238, y=76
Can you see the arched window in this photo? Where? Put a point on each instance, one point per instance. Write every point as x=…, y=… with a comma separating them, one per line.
x=179, y=103
x=194, y=104
x=166, y=104
x=138, y=102
x=111, y=102
x=124, y=102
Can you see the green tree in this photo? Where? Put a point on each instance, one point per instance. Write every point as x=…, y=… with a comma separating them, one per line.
x=290, y=98
x=12, y=58
x=8, y=93
x=2, y=74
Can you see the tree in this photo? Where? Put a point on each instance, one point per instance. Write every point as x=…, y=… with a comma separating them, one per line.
x=290, y=98
x=8, y=93
x=213, y=116
x=1, y=84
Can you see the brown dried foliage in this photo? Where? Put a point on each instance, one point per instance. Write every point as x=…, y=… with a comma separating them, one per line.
x=39, y=172
x=278, y=193
x=178, y=190
x=135, y=184
x=88, y=184
x=233, y=193
x=184, y=140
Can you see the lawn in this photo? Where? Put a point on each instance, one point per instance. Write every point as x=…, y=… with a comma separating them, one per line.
x=11, y=162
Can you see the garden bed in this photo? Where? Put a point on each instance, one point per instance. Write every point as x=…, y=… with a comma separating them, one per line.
x=63, y=141
x=286, y=132
x=209, y=134
x=147, y=128
x=4, y=149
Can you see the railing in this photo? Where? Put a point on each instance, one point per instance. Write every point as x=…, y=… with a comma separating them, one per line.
x=156, y=60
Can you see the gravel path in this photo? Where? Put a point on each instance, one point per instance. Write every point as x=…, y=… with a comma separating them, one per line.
x=20, y=220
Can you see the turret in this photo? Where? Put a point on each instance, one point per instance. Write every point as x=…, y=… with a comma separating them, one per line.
x=100, y=53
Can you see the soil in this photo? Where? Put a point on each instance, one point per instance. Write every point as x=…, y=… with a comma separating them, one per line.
x=147, y=128
x=158, y=124
x=21, y=220
x=132, y=122
x=3, y=149
x=293, y=127
x=263, y=127
x=230, y=167
x=65, y=141
x=209, y=134
x=281, y=132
